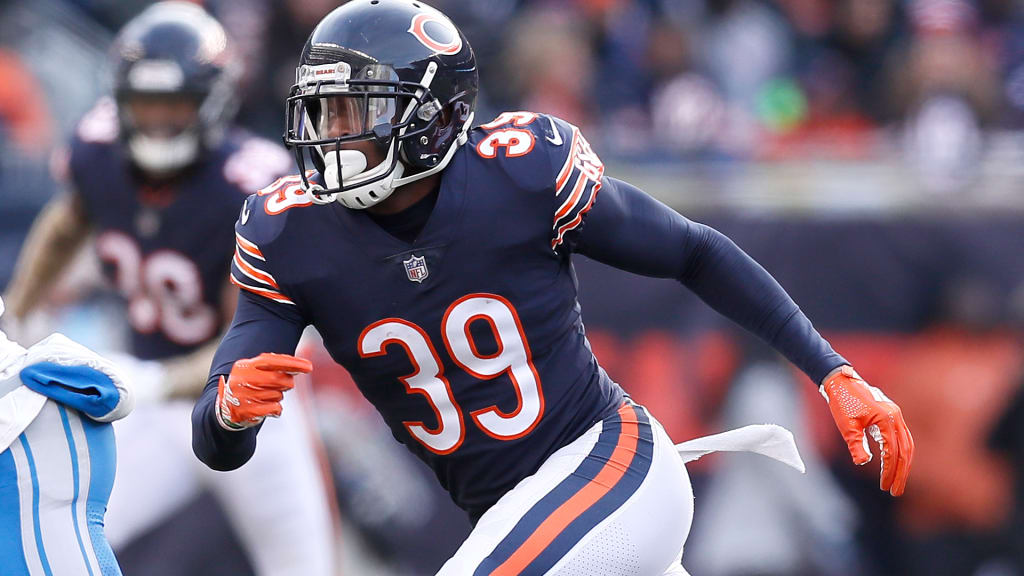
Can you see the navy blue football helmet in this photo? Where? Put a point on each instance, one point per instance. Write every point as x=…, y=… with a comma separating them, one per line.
x=173, y=52
x=394, y=72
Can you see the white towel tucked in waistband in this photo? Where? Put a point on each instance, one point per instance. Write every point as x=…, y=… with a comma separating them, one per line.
x=768, y=440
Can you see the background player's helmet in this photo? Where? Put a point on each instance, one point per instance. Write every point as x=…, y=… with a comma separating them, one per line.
x=176, y=54
x=394, y=72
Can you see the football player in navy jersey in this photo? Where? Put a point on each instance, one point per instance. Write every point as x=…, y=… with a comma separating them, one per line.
x=435, y=259
x=157, y=174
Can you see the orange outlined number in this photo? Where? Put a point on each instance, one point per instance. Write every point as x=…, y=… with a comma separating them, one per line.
x=512, y=358
x=427, y=379
x=285, y=193
x=514, y=141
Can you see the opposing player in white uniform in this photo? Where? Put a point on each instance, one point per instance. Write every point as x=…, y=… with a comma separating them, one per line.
x=57, y=457
x=157, y=174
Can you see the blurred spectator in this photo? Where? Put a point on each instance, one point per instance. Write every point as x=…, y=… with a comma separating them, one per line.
x=551, y=66
x=268, y=34
x=1008, y=438
x=24, y=117
x=49, y=74
x=945, y=55
x=955, y=385
x=746, y=45
x=488, y=24
x=689, y=114
x=944, y=144
x=760, y=518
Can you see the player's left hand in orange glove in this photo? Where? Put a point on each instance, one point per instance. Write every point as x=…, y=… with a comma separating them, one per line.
x=255, y=388
x=860, y=409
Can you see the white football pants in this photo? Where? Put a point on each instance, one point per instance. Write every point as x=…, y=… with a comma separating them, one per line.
x=615, y=502
x=54, y=482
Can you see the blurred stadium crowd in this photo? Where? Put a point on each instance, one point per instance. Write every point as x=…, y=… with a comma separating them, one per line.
x=869, y=152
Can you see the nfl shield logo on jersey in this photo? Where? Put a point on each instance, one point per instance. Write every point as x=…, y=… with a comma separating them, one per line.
x=416, y=268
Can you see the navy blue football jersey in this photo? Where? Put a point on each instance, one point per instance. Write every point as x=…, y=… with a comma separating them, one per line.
x=469, y=340
x=167, y=248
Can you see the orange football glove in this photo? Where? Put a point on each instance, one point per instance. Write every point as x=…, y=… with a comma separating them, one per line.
x=255, y=388
x=860, y=409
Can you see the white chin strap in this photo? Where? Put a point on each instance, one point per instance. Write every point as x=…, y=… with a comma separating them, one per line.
x=160, y=154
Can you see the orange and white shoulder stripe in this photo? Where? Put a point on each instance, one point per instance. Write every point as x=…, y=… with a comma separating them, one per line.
x=576, y=187
x=248, y=247
x=248, y=272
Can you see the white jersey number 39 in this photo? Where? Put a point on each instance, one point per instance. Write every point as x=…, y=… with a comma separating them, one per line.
x=512, y=358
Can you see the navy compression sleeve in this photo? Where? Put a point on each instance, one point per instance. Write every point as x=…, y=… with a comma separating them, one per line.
x=628, y=229
x=258, y=326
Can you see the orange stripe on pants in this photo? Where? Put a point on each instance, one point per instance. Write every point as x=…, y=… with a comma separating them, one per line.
x=571, y=509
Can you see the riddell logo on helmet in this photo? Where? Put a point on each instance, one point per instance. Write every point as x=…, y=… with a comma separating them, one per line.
x=418, y=28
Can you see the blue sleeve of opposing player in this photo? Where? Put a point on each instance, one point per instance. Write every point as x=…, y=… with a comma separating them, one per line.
x=75, y=376
x=628, y=229
x=256, y=328
x=81, y=387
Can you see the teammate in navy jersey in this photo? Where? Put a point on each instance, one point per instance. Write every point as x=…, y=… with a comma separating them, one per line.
x=435, y=261
x=157, y=173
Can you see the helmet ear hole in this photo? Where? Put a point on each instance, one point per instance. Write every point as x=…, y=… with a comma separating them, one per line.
x=425, y=149
x=444, y=117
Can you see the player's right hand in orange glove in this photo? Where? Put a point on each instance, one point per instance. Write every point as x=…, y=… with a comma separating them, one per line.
x=860, y=409
x=255, y=387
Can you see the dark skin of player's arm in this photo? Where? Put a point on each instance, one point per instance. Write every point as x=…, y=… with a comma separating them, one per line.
x=57, y=234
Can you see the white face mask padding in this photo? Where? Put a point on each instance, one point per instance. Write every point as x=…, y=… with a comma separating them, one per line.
x=353, y=162
x=161, y=154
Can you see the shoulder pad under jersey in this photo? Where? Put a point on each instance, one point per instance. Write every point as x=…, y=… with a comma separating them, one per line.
x=544, y=153
x=261, y=226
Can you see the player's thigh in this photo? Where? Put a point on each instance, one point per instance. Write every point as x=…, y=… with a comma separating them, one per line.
x=615, y=501
x=156, y=470
x=279, y=502
x=56, y=479
x=647, y=533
